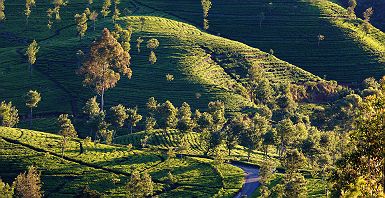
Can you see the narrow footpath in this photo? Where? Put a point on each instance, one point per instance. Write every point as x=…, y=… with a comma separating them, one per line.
x=251, y=180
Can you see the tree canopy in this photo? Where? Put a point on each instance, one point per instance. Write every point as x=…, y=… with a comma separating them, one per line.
x=106, y=61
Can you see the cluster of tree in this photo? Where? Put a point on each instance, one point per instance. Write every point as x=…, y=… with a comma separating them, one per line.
x=167, y=116
x=105, y=125
x=278, y=121
x=350, y=152
x=82, y=19
x=123, y=36
x=359, y=6
x=293, y=183
x=367, y=14
x=109, y=58
x=361, y=170
x=106, y=9
x=9, y=115
x=26, y=185
x=208, y=124
x=57, y=4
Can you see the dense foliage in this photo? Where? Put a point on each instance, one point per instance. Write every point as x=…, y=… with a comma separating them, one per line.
x=192, y=105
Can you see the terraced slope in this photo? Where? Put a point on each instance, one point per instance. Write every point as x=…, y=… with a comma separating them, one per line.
x=172, y=138
x=101, y=165
x=378, y=18
x=290, y=28
x=61, y=178
x=202, y=64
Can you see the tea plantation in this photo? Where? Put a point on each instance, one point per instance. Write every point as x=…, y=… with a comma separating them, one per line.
x=227, y=98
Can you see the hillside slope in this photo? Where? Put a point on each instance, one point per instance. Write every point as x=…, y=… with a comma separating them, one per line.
x=202, y=65
x=291, y=28
x=378, y=18
x=107, y=168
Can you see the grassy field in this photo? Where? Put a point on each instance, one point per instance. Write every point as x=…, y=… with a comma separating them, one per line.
x=101, y=163
x=291, y=28
x=61, y=178
x=208, y=64
x=203, y=64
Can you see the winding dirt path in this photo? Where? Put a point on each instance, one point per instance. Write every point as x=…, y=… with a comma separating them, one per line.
x=251, y=180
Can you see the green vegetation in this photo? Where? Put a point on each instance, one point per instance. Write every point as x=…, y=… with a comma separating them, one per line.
x=178, y=115
x=187, y=57
x=103, y=163
x=290, y=29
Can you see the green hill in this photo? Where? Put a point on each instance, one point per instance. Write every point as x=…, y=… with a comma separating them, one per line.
x=101, y=165
x=202, y=64
x=291, y=28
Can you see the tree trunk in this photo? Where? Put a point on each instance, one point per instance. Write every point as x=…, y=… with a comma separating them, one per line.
x=81, y=149
x=102, y=98
x=266, y=151
x=95, y=134
x=94, y=26
x=30, y=118
x=277, y=149
x=251, y=96
x=283, y=150
x=131, y=129
x=62, y=148
x=248, y=155
x=62, y=152
x=103, y=86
